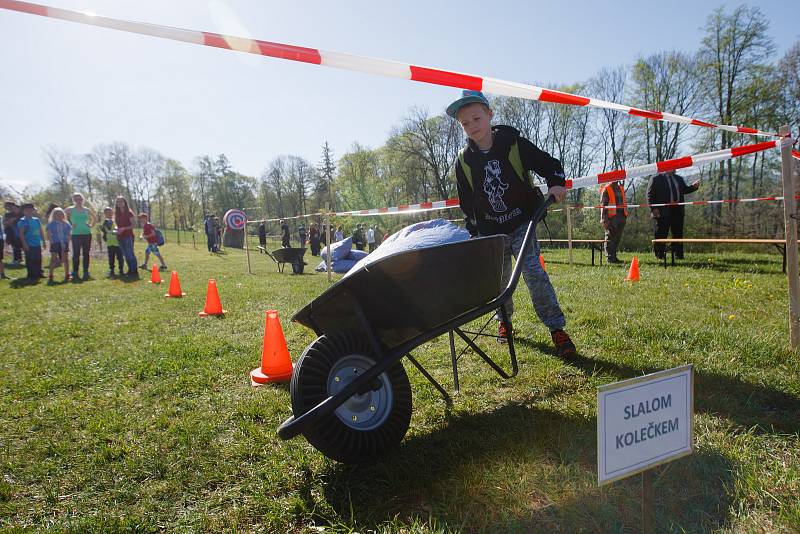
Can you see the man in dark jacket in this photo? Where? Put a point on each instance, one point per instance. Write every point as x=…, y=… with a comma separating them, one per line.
x=358, y=237
x=667, y=188
x=208, y=228
x=262, y=236
x=497, y=197
x=285, y=236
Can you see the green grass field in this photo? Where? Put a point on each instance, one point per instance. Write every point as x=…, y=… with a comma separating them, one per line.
x=124, y=411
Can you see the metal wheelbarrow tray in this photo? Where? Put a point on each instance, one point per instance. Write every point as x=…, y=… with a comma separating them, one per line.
x=350, y=394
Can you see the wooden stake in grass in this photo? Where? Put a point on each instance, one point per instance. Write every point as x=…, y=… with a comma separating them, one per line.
x=328, y=241
x=247, y=248
x=790, y=224
x=647, y=501
x=567, y=208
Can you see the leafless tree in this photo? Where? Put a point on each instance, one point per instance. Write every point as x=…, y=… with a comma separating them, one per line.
x=203, y=179
x=734, y=46
x=666, y=81
x=275, y=177
x=435, y=141
x=569, y=136
x=617, y=133
x=113, y=165
x=300, y=178
x=147, y=168
x=61, y=165
x=527, y=116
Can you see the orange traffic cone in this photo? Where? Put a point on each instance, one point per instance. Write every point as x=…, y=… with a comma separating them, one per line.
x=174, y=286
x=633, y=272
x=276, y=366
x=155, y=275
x=213, y=305
x=541, y=262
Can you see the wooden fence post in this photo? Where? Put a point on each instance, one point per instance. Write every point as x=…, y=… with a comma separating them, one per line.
x=328, y=240
x=568, y=208
x=790, y=223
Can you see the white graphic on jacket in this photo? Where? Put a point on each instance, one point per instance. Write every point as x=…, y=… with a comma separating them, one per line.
x=494, y=187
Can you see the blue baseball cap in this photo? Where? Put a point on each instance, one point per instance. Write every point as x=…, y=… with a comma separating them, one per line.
x=467, y=97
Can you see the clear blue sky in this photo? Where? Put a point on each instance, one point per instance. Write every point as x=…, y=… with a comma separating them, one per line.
x=72, y=86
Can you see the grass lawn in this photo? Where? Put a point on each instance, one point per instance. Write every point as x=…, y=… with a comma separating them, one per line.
x=121, y=410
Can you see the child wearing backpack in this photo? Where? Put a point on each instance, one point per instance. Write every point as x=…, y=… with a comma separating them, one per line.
x=151, y=235
x=497, y=197
x=109, y=235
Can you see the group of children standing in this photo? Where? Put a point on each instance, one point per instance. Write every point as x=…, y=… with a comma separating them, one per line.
x=74, y=225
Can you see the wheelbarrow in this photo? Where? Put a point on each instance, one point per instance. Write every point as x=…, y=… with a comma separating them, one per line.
x=292, y=256
x=350, y=393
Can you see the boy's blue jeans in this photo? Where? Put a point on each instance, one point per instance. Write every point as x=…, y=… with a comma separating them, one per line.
x=543, y=296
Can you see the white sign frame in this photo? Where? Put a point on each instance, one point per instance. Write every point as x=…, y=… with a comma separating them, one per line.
x=680, y=378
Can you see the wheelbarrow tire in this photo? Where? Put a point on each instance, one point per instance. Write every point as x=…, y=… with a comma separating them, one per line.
x=297, y=265
x=367, y=426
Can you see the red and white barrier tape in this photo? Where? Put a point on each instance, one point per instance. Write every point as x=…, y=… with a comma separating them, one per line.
x=382, y=67
x=453, y=203
x=403, y=209
x=687, y=203
x=595, y=179
x=672, y=164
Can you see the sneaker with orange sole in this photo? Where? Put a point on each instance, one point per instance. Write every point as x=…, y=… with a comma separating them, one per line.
x=504, y=331
x=564, y=345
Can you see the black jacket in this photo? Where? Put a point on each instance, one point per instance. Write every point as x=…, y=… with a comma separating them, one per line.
x=499, y=202
x=658, y=189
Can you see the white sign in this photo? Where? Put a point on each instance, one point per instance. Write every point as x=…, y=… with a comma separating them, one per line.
x=644, y=422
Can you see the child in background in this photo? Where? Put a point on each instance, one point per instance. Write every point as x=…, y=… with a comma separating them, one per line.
x=12, y=216
x=2, y=248
x=109, y=235
x=58, y=231
x=149, y=235
x=31, y=236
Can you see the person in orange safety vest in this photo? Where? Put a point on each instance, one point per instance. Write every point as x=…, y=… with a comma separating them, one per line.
x=613, y=217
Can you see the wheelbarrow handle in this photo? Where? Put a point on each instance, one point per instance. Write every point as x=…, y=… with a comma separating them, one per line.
x=530, y=235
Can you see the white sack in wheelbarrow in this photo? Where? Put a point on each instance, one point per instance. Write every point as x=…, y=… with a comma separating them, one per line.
x=420, y=235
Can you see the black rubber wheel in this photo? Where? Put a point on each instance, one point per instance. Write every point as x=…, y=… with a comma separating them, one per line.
x=367, y=425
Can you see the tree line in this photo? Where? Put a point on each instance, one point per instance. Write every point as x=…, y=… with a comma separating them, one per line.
x=733, y=78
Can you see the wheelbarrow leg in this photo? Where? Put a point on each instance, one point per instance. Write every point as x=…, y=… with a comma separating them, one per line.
x=511, y=351
x=512, y=354
x=443, y=392
x=454, y=359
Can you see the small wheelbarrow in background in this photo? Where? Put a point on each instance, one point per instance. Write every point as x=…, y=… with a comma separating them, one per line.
x=292, y=256
x=350, y=393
